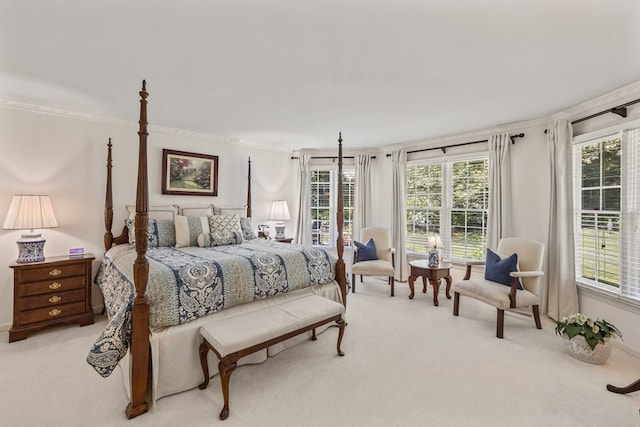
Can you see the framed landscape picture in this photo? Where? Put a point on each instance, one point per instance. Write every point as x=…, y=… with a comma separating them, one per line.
x=189, y=174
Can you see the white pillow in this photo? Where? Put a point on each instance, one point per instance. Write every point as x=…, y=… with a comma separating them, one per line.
x=188, y=228
x=240, y=211
x=156, y=212
x=197, y=211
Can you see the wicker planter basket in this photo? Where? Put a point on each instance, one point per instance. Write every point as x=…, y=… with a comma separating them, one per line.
x=579, y=349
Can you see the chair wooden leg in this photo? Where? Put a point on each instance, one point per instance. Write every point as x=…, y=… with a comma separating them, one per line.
x=536, y=316
x=361, y=278
x=391, y=282
x=353, y=283
x=456, y=303
x=500, y=327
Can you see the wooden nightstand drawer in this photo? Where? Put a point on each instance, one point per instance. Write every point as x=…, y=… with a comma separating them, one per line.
x=52, y=272
x=51, y=299
x=56, y=290
x=51, y=313
x=56, y=285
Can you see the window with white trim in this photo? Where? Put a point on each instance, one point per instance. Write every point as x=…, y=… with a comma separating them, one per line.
x=324, y=188
x=606, y=186
x=449, y=199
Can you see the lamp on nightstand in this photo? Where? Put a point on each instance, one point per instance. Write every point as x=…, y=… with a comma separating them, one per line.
x=28, y=211
x=279, y=213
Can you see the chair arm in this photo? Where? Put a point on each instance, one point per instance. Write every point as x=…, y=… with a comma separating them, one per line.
x=471, y=263
x=533, y=273
x=514, y=283
x=355, y=254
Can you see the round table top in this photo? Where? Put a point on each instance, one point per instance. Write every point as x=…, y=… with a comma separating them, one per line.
x=424, y=263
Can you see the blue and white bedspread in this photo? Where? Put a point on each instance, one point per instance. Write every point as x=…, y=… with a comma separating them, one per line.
x=192, y=282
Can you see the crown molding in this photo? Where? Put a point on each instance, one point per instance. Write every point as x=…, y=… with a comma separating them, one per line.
x=609, y=100
x=113, y=121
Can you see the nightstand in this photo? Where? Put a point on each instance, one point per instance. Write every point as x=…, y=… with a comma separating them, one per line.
x=54, y=291
x=285, y=240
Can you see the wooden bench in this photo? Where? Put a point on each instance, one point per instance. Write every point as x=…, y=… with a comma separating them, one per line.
x=235, y=337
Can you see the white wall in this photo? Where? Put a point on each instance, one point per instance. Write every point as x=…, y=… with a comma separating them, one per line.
x=65, y=157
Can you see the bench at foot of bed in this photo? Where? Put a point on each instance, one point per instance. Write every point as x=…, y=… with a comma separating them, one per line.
x=235, y=337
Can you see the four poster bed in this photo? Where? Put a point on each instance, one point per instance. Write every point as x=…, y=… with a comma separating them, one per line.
x=160, y=288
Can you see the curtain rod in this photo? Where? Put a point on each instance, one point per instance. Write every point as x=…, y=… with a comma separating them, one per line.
x=444, y=148
x=620, y=110
x=328, y=157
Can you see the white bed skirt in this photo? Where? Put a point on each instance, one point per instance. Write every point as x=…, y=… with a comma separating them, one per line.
x=174, y=350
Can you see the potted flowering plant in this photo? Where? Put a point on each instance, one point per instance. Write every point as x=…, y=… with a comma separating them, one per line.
x=578, y=330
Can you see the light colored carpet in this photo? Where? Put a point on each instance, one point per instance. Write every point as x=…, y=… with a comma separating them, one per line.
x=407, y=363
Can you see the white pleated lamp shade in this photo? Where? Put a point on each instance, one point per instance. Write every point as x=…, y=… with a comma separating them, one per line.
x=28, y=212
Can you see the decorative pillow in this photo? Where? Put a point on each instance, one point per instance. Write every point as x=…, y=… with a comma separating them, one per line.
x=225, y=224
x=240, y=211
x=197, y=211
x=162, y=232
x=219, y=238
x=156, y=212
x=497, y=270
x=366, y=251
x=188, y=228
x=247, y=230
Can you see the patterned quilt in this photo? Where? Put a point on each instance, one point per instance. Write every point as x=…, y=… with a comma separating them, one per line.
x=192, y=282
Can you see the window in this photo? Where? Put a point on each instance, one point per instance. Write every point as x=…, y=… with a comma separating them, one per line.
x=449, y=199
x=606, y=198
x=324, y=185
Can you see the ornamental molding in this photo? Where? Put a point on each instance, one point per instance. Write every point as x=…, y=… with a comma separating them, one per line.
x=113, y=121
x=612, y=99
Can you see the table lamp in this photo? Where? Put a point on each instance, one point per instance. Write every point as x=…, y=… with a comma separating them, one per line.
x=434, y=243
x=279, y=213
x=28, y=211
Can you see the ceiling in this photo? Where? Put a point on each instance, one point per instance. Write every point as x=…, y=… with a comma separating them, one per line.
x=293, y=73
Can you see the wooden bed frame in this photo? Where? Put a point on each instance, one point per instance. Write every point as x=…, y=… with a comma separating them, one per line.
x=139, y=348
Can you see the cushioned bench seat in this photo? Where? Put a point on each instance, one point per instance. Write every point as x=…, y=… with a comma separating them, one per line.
x=235, y=337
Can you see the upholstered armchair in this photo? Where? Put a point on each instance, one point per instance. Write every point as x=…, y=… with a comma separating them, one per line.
x=373, y=257
x=512, y=279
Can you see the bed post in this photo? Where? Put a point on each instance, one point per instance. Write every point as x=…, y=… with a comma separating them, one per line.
x=249, y=190
x=108, y=203
x=140, y=321
x=341, y=276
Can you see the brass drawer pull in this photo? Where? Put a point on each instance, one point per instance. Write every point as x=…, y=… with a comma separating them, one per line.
x=55, y=298
x=54, y=312
x=55, y=285
x=55, y=272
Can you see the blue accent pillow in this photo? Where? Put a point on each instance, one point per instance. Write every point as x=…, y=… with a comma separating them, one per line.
x=497, y=270
x=366, y=252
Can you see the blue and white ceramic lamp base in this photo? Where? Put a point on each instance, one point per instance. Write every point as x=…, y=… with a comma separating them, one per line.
x=30, y=248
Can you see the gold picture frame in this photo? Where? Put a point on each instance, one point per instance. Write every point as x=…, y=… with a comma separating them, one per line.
x=189, y=174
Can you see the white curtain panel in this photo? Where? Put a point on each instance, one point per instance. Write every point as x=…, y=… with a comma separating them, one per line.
x=362, y=206
x=303, y=229
x=561, y=296
x=499, y=189
x=398, y=214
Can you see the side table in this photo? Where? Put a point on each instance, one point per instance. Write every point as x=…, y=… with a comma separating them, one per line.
x=420, y=268
x=56, y=290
